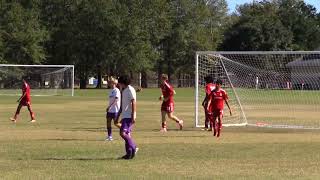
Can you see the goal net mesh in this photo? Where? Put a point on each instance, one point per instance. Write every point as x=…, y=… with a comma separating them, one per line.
x=43, y=80
x=269, y=89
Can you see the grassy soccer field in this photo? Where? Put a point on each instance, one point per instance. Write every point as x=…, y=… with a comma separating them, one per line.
x=68, y=143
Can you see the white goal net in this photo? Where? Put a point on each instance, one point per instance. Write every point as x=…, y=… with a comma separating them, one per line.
x=44, y=80
x=267, y=89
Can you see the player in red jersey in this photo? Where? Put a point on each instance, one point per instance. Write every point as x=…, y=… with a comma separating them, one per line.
x=167, y=106
x=217, y=98
x=210, y=86
x=24, y=100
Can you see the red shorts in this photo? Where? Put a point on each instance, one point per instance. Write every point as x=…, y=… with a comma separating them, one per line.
x=167, y=107
x=25, y=102
x=209, y=116
x=217, y=112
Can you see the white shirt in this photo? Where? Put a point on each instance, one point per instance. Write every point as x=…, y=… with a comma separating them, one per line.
x=114, y=94
x=128, y=94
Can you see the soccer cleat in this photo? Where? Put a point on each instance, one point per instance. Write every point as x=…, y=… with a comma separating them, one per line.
x=219, y=127
x=33, y=121
x=126, y=157
x=163, y=130
x=109, y=138
x=13, y=120
x=204, y=129
x=214, y=132
x=134, y=153
x=180, y=124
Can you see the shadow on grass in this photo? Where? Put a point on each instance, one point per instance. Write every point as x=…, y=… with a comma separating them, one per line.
x=75, y=159
x=59, y=139
x=102, y=129
x=98, y=129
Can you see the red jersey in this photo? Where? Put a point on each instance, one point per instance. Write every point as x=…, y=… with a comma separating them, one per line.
x=217, y=99
x=167, y=91
x=26, y=90
x=209, y=87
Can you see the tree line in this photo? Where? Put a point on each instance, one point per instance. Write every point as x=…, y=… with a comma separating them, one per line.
x=128, y=36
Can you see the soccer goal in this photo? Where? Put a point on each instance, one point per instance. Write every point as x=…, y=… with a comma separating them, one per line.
x=279, y=89
x=44, y=80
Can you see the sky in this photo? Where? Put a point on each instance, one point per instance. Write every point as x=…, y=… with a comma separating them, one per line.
x=233, y=3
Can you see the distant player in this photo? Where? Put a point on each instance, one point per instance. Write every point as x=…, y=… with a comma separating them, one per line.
x=217, y=98
x=128, y=111
x=24, y=100
x=113, y=107
x=167, y=106
x=210, y=86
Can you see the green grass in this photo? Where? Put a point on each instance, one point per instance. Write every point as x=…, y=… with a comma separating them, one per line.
x=68, y=143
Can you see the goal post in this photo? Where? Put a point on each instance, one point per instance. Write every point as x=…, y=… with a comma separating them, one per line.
x=279, y=89
x=44, y=80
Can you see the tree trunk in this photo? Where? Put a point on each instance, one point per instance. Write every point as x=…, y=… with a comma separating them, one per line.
x=65, y=80
x=159, y=72
x=83, y=77
x=99, y=77
x=169, y=65
x=83, y=83
x=179, y=79
x=144, y=79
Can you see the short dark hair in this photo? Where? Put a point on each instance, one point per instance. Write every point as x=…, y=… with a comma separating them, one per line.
x=124, y=80
x=208, y=79
x=219, y=81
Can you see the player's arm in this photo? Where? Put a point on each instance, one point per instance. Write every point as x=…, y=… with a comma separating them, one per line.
x=134, y=110
x=208, y=103
x=22, y=96
x=205, y=101
x=111, y=104
x=226, y=100
x=161, y=97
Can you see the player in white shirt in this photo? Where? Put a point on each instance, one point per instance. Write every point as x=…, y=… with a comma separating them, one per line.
x=128, y=116
x=113, y=107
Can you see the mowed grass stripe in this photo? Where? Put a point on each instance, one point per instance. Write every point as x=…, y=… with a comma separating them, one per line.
x=68, y=143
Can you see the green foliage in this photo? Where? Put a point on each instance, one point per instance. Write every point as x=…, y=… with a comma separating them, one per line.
x=303, y=21
x=116, y=37
x=196, y=25
x=274, y=25
x=22, y=34
x=258, y=28
x=1, y=50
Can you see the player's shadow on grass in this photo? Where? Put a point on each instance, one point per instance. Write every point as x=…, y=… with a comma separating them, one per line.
x=99, y=129
x=77, y=159
x=60, y=139
x=170, y=136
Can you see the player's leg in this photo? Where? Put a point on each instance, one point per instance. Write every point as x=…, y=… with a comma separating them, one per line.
x=163, y=121
x=109, y=128
x=219, y=124
x=31, y=113
x=116, y=121
x=213, y=124
x=206, y=121
x=176, y=119
x=14, y=118
x=129, y=143
x=170, y=110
